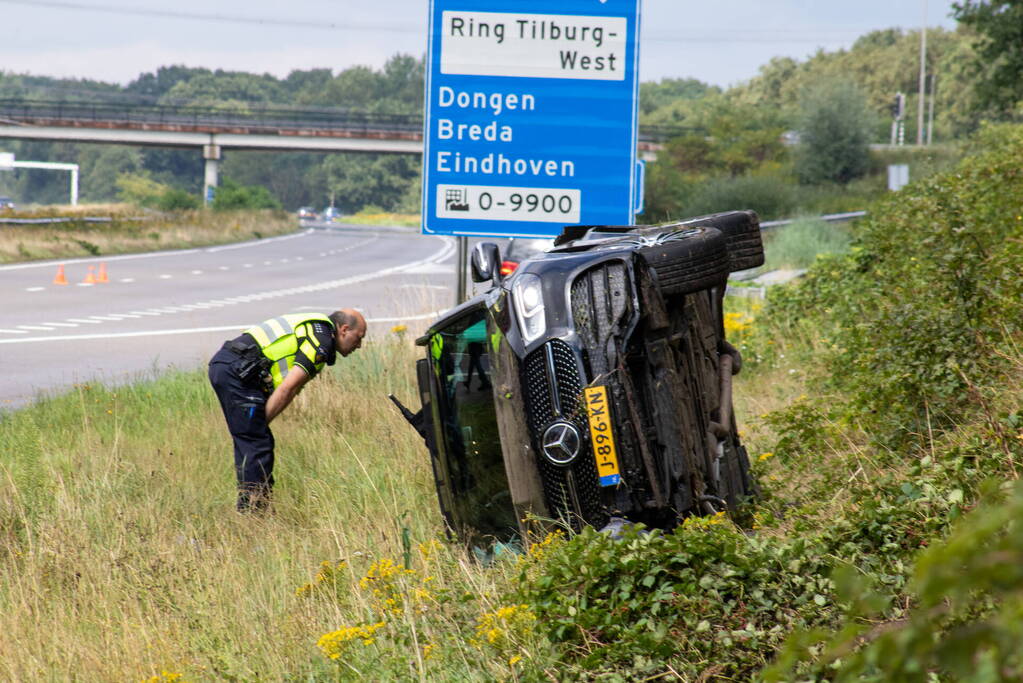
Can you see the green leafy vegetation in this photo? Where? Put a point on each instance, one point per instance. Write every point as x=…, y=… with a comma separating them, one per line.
x=834, y=130
x=999, y=24
x=230, y=196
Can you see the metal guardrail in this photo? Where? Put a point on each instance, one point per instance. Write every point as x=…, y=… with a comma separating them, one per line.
x=61, y=219
x=829, y=218
x=255, y=116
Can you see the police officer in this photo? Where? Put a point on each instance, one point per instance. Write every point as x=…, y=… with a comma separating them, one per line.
x=256, y=376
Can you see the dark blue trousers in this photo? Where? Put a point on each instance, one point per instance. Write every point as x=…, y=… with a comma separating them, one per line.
x=244, y=407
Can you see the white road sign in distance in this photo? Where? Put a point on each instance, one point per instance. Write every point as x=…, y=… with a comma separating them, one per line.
x=530, y=116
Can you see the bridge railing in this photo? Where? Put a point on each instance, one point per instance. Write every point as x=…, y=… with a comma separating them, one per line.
x=198, y=116
x=256, y=116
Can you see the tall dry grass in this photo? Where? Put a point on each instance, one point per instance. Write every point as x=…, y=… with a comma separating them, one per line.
x=121, y=555
x=133, y=230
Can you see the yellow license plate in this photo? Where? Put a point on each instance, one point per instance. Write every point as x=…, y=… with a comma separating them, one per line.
x=601, y=435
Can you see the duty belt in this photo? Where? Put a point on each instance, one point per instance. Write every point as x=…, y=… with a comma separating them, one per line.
x=253, y=367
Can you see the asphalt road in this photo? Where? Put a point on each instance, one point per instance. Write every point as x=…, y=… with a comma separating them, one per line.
x=175, y=308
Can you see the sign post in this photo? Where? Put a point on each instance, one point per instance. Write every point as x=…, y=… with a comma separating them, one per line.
x=531, y=116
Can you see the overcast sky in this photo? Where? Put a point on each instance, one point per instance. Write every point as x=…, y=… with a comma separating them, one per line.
x=721, y=42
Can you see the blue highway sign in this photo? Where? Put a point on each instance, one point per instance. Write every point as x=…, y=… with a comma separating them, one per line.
x=531, y=116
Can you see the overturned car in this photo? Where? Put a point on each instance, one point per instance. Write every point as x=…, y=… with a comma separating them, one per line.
x=592, y=385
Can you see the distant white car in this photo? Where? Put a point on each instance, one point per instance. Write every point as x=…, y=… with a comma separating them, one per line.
x=6, y=204
x=307, y=213
x=331, y=213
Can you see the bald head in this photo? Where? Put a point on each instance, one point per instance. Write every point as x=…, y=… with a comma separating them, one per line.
x=350, y=328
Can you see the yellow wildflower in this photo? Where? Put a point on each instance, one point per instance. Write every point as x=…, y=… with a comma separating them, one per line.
x=333, y=644
x=765, y=456
x=328, y=574
x=501, y=627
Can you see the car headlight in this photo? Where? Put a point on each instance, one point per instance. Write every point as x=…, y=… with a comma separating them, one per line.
x=528, y=296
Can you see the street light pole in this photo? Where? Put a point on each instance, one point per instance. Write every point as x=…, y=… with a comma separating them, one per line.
x=923, y=80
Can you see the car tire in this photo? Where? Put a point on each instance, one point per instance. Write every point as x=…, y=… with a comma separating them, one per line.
x=742, y=233
x=688, y=262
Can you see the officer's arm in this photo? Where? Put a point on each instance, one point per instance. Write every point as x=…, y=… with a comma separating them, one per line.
x=285, y=392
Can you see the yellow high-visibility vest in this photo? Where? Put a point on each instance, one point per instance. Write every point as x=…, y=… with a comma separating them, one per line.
x=282, y=337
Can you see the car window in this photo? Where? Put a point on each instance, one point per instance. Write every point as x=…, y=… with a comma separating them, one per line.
x=475, y=465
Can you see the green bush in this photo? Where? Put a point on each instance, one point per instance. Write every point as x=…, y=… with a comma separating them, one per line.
x=834, y=131
x=769, y=196
x=232, y=196
x=175, y=199
x=141, y=190
x=967, y=620
x=930, y=290
x=706, y=600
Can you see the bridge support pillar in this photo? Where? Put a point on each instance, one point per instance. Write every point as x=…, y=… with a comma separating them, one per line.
x=211, y=153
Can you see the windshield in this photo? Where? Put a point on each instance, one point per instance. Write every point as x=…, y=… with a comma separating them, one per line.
x=476, y=473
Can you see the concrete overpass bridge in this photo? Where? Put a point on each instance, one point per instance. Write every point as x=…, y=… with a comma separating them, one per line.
x=214, y=129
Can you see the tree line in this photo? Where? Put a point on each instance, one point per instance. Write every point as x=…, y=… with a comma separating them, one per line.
x=793, y=138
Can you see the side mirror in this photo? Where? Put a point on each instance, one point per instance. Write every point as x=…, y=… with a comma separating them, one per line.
x=486, y=262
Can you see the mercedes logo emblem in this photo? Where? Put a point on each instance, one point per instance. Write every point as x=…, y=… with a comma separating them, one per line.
x=561, y=443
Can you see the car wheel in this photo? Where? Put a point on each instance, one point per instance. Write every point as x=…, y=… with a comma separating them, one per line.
x=742, y=233
x=688, y=261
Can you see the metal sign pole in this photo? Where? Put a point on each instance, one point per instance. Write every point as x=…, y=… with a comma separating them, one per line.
x=460, y=266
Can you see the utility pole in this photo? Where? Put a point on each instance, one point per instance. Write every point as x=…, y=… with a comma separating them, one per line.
x=930, y=113
x=923, y=80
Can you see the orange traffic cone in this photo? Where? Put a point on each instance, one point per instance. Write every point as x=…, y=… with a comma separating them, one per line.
x=59, y=278
x=102, y=277
x=90, y=279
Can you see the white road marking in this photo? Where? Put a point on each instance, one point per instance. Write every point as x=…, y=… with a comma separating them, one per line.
x=34, y=289
x=247, y=265
x=127, y=279
x=225, y=267
x=442, y=254
x=266, y=263
x=85, y=284
x=62, y=324
x=430, y=269
x=166, y=277
x=35, y=328
x=196, y=272
x=14, y=331
x=444, y=287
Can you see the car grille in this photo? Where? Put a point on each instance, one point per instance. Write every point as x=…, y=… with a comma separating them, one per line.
x=554, y=392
